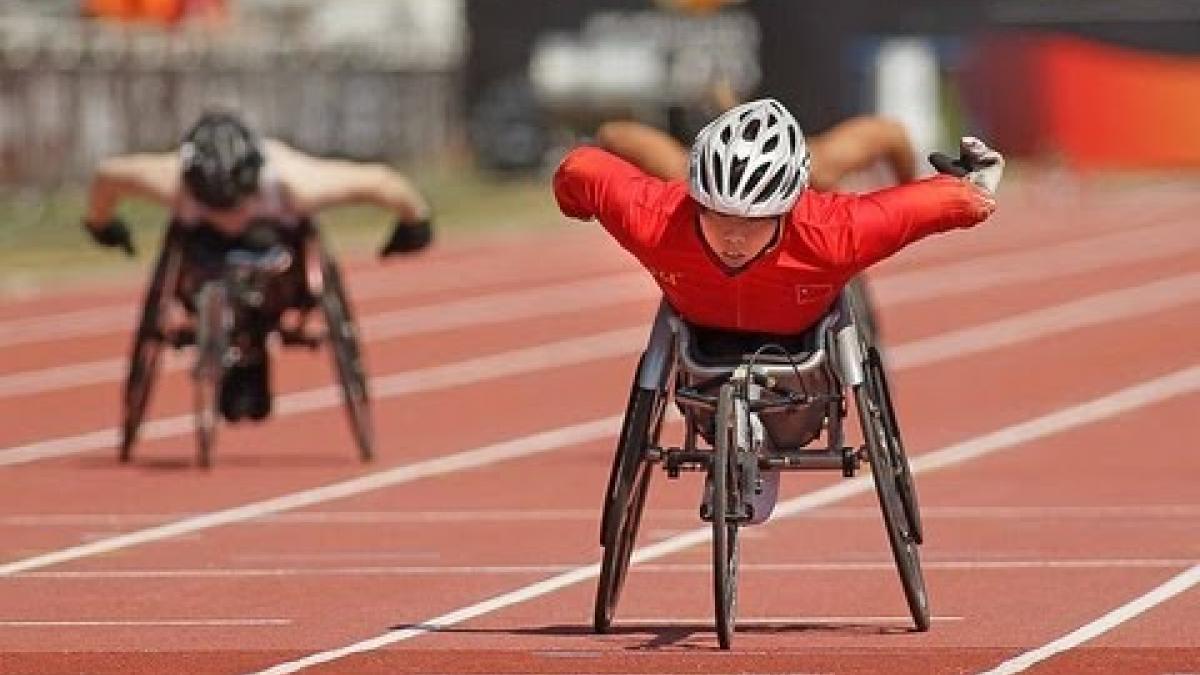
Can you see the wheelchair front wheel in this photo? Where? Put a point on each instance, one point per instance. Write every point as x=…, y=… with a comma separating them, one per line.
x=884, y=471
x=347, y=357
x=726, y=514
x=625, y=498
x=214, y=321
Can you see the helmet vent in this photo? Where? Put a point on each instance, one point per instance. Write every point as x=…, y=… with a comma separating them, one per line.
x=754, y=180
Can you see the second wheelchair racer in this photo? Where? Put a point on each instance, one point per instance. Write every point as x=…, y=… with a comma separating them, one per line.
x=230, y=189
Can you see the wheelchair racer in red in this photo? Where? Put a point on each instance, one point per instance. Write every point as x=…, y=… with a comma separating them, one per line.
x=745, y=245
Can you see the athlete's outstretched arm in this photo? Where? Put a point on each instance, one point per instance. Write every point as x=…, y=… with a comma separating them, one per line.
x=154, y=177
x=857, y=144
x=864, y=229
x=315, y=184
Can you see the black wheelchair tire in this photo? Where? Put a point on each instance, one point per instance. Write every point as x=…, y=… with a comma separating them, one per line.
x=146, y=352
x=614, y=567
x=143, y=370
x=625, y=499
x=905, y=484
x=213, y=323
x=726, y=502
x=899, y=534
x=347, y=357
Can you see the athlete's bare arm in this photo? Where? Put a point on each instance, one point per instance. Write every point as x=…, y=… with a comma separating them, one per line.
x=316, y=183
x=857, y=144
x=654, y=151
x=154, y=177
x=651, y=150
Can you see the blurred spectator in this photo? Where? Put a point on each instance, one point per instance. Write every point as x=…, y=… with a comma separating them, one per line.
x=163, y=12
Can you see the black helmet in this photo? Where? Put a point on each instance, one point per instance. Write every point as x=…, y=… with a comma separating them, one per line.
x=220, y=159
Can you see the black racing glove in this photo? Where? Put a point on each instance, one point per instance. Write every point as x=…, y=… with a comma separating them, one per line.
x=408, y=238
x=113, y=234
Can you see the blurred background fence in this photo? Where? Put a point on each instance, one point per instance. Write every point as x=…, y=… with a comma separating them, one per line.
x=73, y=90
x=1101, y=84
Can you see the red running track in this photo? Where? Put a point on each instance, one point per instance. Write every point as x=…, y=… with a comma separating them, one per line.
x=1048, y=410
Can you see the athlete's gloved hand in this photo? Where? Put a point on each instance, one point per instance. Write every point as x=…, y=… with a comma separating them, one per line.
x=978, y=163
x=986, y=165
x=113, y=234
x=408, y=237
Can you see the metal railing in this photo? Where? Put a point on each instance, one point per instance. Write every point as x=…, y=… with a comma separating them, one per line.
x=72, y=93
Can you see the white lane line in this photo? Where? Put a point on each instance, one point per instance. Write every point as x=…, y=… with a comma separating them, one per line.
x=1129, y=512
x=1083, y=313
x=1053, y=262
x=1086, y=312
x=487, y=309
x=706, y=623
x=519, y=361
x=461, y=461
x=329, y=556
x=657, y=568
x=1182, y=382
x=147, y=623
x=1173, y=587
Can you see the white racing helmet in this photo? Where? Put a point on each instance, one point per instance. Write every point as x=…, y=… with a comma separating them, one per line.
x=750, y=162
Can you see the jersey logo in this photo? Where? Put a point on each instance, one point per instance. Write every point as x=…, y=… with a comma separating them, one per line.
x=667, y=278
x=806, y=293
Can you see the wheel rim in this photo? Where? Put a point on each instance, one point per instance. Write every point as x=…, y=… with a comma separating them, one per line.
x=625, y=499
x=894, y=442
x=147, y=349
x=347, y=358
x=725, y=497
x=213, y=325
x=900, y=538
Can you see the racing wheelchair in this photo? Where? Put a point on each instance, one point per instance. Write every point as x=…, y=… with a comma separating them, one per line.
x=751, y=404
x=234, y=293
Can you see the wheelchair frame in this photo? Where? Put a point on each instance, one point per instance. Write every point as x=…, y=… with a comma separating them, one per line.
x=213, y=332
x=845, y=362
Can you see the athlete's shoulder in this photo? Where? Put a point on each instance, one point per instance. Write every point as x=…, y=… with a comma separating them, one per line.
x=816, y=208
x=589, y=179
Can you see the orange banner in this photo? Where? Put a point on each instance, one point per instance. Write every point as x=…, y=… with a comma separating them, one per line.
x=1110, y=106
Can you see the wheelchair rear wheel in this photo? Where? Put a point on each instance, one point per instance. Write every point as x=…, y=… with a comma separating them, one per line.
x=625, y=498
x=214, y=321
x=148, y=346
x=887, y=473
x=347, y=356
x=726, y=508
x=876, y=378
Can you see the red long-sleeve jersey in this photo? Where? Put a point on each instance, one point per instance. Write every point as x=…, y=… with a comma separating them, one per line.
x=825, y=240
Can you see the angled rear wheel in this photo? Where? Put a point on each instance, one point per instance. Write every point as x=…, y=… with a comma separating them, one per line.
x=886, y=472
x=347, y=356
x=625, y=498
x=148, y=340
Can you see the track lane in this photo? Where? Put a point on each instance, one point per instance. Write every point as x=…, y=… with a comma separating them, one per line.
x=582, y=662
x=591, y=538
